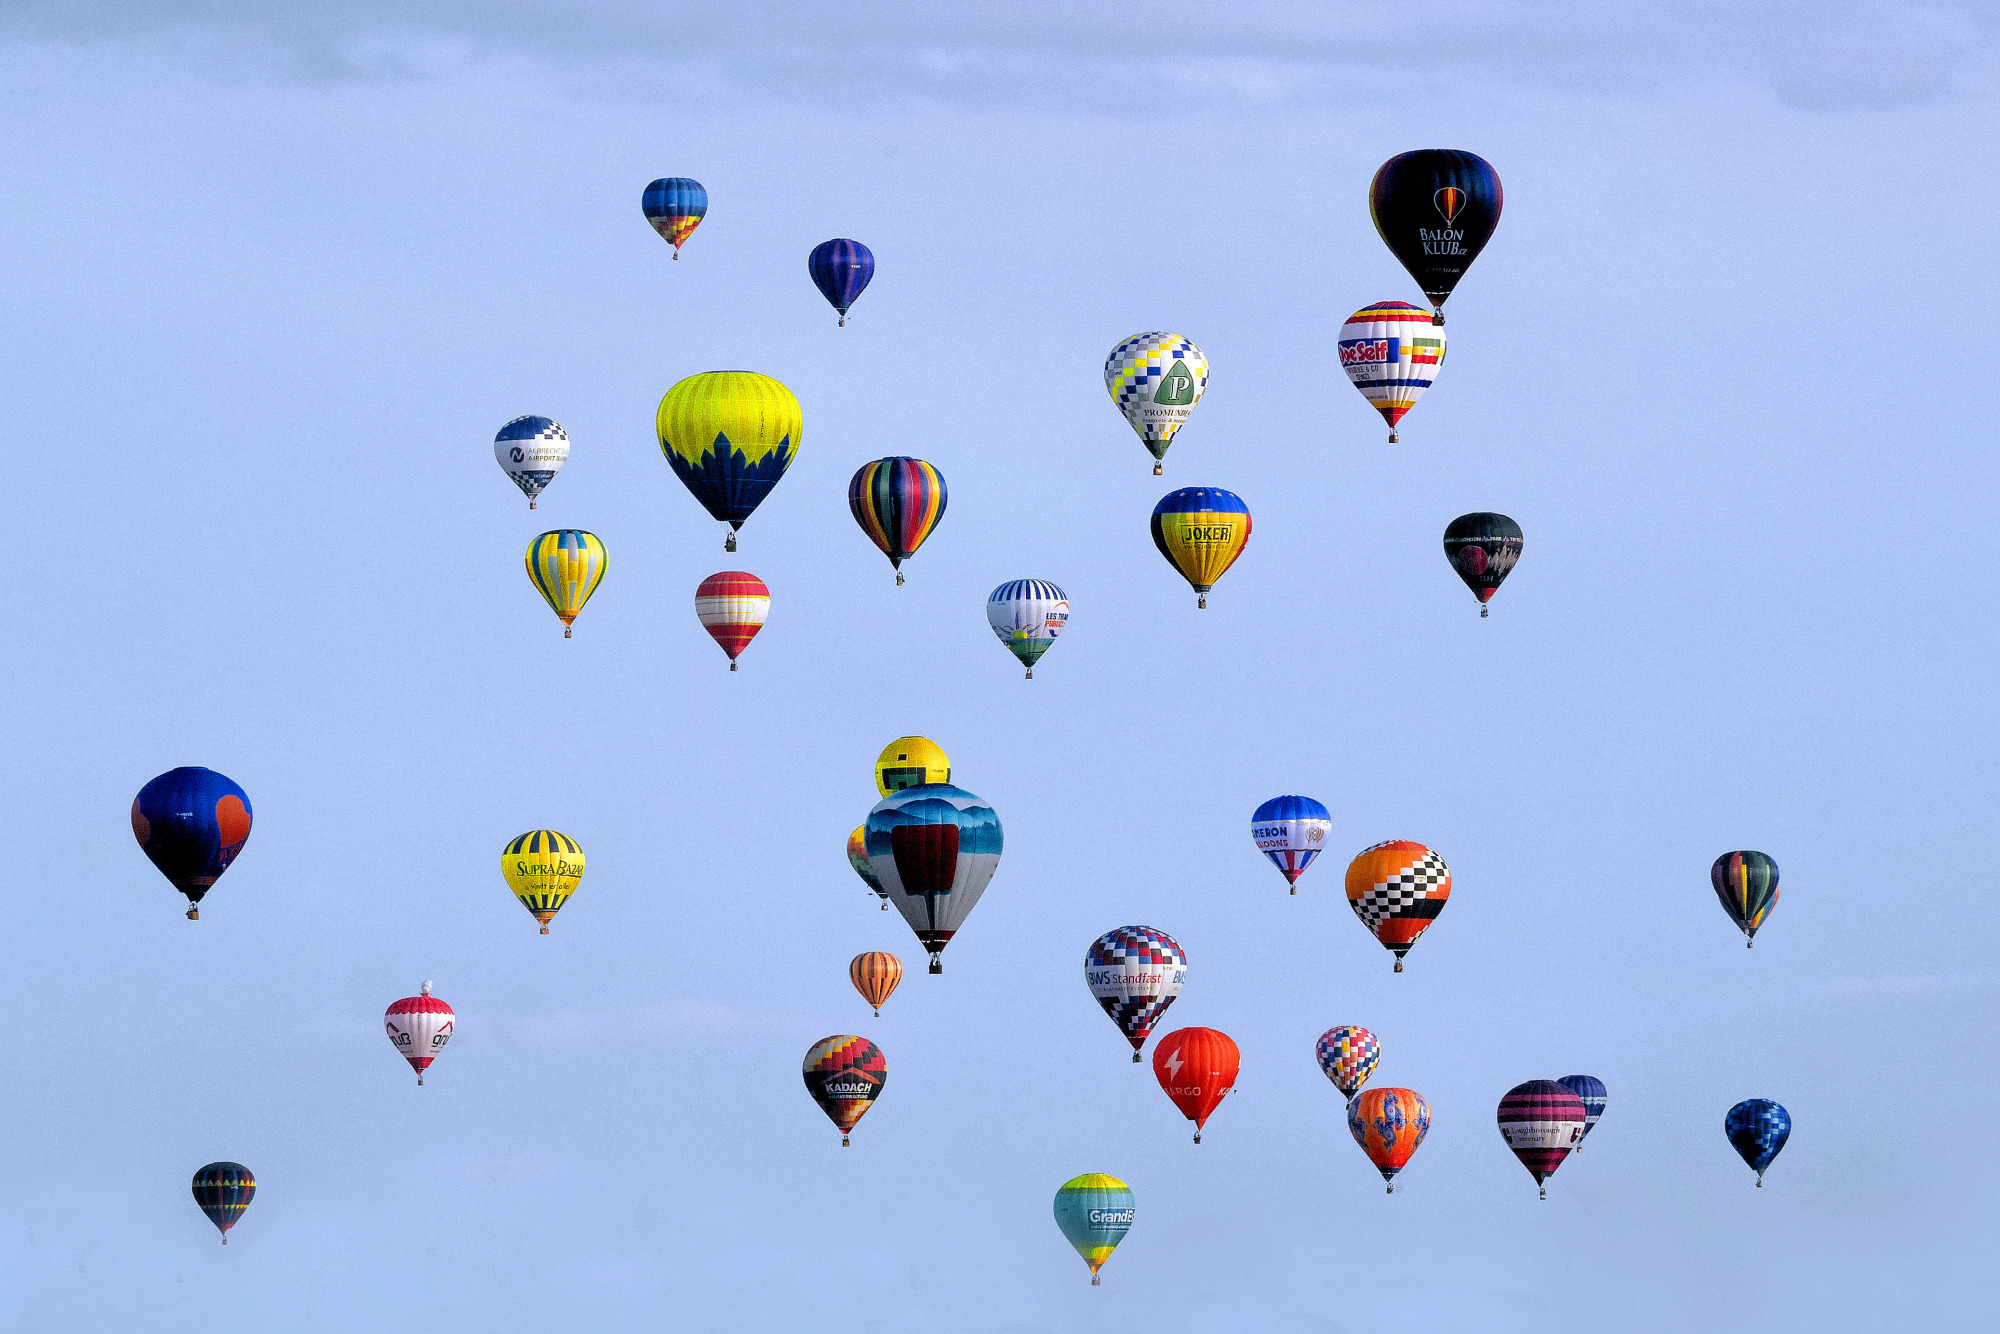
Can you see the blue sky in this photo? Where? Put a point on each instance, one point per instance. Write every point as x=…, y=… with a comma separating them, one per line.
x=276, y=273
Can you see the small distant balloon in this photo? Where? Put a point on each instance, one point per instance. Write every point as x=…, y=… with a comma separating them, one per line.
x=1589, y=1090
x=191, y=823
x=531, y=450
x=1156, y=379
x=1347, y=1056
x=1094, y=1212
x=841, y=269
x=1027, y=614
x=1389, y=1124
x=732, y=606
x=1435, y=209
x=1398, y=889
x=910, y=761
x=1135, y=972
x=419, y=1026
x=223, y=1191
x=1197, y=1067
x=897, y=501
x=1291, y=831
x=1201, y=530
x=1747, y=884
x=542, y=869
x=857, y=857
x=1757, y=1129
x=875, y=975
x=1392, y=352
x=675, y=205
x=1482, y=549
x=1541, y=1122
x=845, y=1075
x=567, y=565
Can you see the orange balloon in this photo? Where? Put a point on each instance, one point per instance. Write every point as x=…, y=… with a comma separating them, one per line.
x=1197, y=1067
x=1389, y=1124
x=875, y=975
x=1397, y=890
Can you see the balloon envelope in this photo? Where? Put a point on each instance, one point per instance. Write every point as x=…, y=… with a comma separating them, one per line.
x=1347, y=1055
x=1391, y=352
x=419, y=1026
x=191, y=823
x=934, y=848
x=1197, y=1067
x=910, y=761
x=841, y=269
x=1135, y=972
x=1397, y=889
x=1482, y=549
x=1541, y=1122
x=1747, y=884
x=897, y=501
x=1094, y=1212
x=857, y=857
x=1757, y=1129
x=1156, y=379
x=1201, y=530
x=675, y=205
x=1389, y=1124
x=732, y=606
x=875, y=975
x=567, y=565
x=845, y=1075
x=542, y=868
x=729, y=436
x=1291, y=831
x=531, y=450
x=1589, y=1090
x=1027, y=614
x=223, y=1191
x=1435, y=209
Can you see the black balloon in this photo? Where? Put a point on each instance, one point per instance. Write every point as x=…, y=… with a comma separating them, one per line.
x=1482, y=547
x=1435, y=209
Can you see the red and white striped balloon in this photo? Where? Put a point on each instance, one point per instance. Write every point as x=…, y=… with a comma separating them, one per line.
x=420, y=1026
x=732, y=606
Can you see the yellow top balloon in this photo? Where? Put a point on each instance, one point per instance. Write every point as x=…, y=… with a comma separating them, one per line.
x=910, y=761
x=542, y=868
x=730, y=435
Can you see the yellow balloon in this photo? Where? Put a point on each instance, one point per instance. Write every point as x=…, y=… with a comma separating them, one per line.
x=566, y=565
x=1201, y=530
x=910, y=761
x=729, y=435
x=542, y=868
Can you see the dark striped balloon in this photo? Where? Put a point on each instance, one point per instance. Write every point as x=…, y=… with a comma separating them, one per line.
x=897, y=501
x=1482, y=549
x=841, y=269
x=1541, y=1122
x=1747, y=884
x=223, y=1190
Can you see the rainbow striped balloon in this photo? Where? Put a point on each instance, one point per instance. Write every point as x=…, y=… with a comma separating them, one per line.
x=897, y=501
x=1392, y=353
x=566, y=565
x=732, y=606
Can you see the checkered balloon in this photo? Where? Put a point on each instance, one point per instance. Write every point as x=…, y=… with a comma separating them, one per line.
x=1156, y=379
x=1348, y=1055
x=1757, y=1129
x=1135, y=972
x=1397, y=890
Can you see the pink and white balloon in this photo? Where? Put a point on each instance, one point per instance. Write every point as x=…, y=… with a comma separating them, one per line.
x=420, y=1026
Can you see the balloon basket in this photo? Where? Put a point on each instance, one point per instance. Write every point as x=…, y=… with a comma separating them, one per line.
x=1394, y=439
x=677, y=252
x=1437, y=313
x=1096, y=1282
x=565, y=632
x=878, y=1013
x=843, y=1140
x=1031, y=673
x=1390, y=1190
x=532, y=505
x=885, y=905
x=1295, y=891
x=1545, y=1192
x=194, y=914
x=1158, y=469
x=1135, y=1058
x=545, y=931
x=899, y=578
x=843, y=321
x=732, y=666
x=1482, y=613
x=729, y=542
x=1201, y=602
x=1399, y=965
x=937, y=965
x=1748, y=944
x=1197, y=1137
x=1760, y=1181
x=225, y=1239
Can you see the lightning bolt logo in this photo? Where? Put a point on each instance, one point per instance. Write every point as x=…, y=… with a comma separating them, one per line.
x=1174, y=1064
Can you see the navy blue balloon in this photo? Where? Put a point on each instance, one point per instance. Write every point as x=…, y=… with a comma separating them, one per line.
x=1757, y=1129
x=191, y=822
x=841, y=269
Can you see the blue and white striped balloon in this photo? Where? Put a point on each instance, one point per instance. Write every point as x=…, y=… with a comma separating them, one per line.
x=1291, y=831
x=1027, y=614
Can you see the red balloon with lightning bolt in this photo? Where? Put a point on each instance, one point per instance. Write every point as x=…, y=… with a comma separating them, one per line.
x=1197, y=1067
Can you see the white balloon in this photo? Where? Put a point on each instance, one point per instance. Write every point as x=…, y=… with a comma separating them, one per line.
x=532, y=450
x=419, y=1026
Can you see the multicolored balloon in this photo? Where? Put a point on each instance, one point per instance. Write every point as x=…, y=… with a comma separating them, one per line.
x=1135, y=972
x=841, y=270
x=1347, y=1056
x=675, y=205
x=1397, y=889
x=1482, y=549
x=542, y=869
x=1094, y=1212
x=1747, y=884
x=419, y=1025
x=845, y=1075
x=531, y=450
x=934, y=848
x=729, y=436
x=732, y=606
x=1389, y=1124
x=857, y=857
x=191, y=823
x=897, y=501
x=1589, y=1091
x=1201, y=530
x=1392, y=352
x=910, y=761
x=1197, y=1067
x=875, y=975
x=567, y=565
x=223, y=1191
x=1156, y=379
x=1435, y=209
x=1541, y=1122
x=1027, y=614
x=1291, y=831
x=1757, y=1129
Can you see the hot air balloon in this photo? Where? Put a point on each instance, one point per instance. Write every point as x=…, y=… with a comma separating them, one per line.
x=1197, y=1067
x=857, y=857
x=1541, y=1122
x=567, y=565
x=732, y=606
x=419, y=1025
x=1392, y=352
x=191, y=822
x=1135, y=972
x=224, y=1191
x=1156, y=379
x=1747, y=884
x=933, y=848
x=729, y=435
x=897, y=501
x=841, y=270
x=1094, y=1212
x=1348, y=1055
x=543, y=869
x=1027, y=614
x=875, y=975
x=1397, y=889
x=1291, y=831
x=1482, y=548
x=531, y=451
x=1589, y=1091
x=1757, y=1129
x=1201, y=530
x=675, y=205
x=845, y=1075
x=910, y=761
x=1389, y=1124
x=1435, y=209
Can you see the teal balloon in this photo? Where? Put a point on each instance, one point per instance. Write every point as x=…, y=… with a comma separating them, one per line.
x=1094, y=1212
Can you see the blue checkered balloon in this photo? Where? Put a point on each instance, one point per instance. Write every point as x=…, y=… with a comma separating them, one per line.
x=1757, y=1129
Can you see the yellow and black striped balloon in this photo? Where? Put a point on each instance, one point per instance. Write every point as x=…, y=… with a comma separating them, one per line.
x=542, y=869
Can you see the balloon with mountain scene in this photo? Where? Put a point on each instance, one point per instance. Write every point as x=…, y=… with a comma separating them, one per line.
x=531, y=451
x=1156, y=379
x=675, y=206
x=934, y=848
x=1027, y=615
x=729, y=436
x=191, y=823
